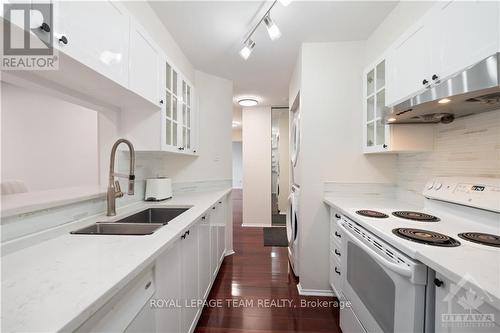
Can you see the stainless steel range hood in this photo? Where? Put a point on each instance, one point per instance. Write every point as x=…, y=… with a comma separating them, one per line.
x=473, y=90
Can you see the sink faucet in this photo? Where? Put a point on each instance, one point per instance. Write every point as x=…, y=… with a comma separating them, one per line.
x=114, y=190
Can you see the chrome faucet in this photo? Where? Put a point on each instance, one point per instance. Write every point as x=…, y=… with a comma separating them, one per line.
x=114, y=190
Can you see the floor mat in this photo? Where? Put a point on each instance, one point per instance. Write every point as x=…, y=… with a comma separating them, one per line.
x=275, y=236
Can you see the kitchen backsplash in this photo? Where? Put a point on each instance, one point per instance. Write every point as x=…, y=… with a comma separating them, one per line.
x=468, y=146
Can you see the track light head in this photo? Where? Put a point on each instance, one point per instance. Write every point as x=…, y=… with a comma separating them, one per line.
x=272, y=29
x=247, y=49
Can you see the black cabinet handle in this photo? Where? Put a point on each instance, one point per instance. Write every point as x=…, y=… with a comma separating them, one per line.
x=337, y=252
x=181, y=148
x=213, y=207
x=337, y=216
x=384, y=146
x=147, y=285
x=425, y=82
x=45, y=27
x=220, y=202
x=63, y=40
x=338, y=235
x=183, y=236
x=203, y=217
x=438, y=282
x=161, y=101
x=337, y=271
x=187, y=232
x=435, y=77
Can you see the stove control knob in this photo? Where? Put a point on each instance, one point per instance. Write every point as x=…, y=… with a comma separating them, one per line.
x=438, y=186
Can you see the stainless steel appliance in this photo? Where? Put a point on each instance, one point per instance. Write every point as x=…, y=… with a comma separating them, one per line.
x=472, y=90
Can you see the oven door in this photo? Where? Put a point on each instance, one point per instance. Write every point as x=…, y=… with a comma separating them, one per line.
x=386, y=295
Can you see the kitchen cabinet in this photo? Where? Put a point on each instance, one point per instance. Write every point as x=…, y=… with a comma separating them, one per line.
x=221, y=229
x=379, y=137
x=214, y=238
x=189, y=285
x=178, y=117
x=144, y=76
x=336, y=270
x=461, y=308
x=451, y=36
x=96, y=33
x=204, y=255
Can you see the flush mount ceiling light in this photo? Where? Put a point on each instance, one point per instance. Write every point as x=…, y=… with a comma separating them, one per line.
x=391, y=119
x=248, y=102
x=247, y=49
x=444, y=101
x=272, y=29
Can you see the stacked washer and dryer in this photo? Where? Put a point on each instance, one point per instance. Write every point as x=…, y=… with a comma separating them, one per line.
x=292, y=223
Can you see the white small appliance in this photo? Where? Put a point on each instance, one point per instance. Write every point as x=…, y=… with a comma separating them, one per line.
x=292, y=228
x=158, y=189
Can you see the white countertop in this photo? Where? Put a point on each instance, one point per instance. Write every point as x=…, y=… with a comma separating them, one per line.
x=478, y=263
x=58, y=284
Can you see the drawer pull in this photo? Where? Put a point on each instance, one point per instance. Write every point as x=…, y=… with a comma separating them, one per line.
x=337, y=271
x=337, y=216
x=338, y=235
x=337, y=252
x=147, y=285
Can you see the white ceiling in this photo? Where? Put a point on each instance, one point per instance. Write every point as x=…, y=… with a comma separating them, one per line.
x=211, y=32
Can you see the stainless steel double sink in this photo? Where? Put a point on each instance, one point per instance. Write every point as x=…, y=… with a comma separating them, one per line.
x=142, y=223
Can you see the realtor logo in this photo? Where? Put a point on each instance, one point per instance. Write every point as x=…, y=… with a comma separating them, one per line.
x=28, y=37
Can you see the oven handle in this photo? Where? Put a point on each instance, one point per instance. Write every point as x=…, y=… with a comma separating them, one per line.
x=381, y=260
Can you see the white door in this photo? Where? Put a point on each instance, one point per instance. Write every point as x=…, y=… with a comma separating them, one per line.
x=464, y=32
x=95, y=33
x=408, y=65
x=145, y=64
x=189, y=255
x=204, y=264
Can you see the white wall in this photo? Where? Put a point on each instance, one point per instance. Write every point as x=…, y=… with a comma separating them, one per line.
x=215, y=131
x=47, y=143
x=257, y=166
x=237, y=165
x=331, y=146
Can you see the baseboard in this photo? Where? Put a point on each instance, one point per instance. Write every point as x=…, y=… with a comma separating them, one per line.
x=314, y=292
x=230, y=253
x=254, y=225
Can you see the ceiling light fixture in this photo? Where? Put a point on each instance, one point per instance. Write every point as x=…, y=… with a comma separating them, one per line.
x=248, y=102
x=247, y=49
x=444, y=101
x=391, y=119
x=272, y=29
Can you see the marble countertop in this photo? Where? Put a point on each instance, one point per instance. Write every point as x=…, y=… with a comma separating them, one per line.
x=58, y=284
x=479, y=264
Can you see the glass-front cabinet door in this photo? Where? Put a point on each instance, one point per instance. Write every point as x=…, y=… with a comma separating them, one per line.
x=376, y=133
x=177, y=117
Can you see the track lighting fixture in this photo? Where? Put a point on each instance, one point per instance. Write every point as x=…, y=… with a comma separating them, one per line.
x=272, y=29
x=247, y=49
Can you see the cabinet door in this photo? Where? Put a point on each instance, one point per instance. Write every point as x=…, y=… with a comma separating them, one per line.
x=145, y=68
x=189, y=255
x=221, y=217
x=144, y=322
x=464, y=32
x=214, y=246
x=168, y=287
x=408, y=65
x=97, y=34
x=204, y=260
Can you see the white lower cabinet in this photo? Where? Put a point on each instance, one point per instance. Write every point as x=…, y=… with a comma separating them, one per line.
x=214, y=246
x=462, y=308
x=189, y=285
x=221, y=228
x=204, y=262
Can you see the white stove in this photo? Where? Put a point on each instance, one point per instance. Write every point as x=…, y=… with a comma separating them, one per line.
x=397, y=242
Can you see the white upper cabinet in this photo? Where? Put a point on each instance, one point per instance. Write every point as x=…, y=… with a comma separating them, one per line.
x=144, y=75
x=95, y=33
x=408, y=64
x=465, y=32
x=450, y=37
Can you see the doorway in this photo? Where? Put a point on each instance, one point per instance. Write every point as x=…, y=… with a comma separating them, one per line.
x=280, y=181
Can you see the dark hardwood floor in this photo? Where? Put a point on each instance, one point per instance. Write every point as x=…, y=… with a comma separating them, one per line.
x=258, y=274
